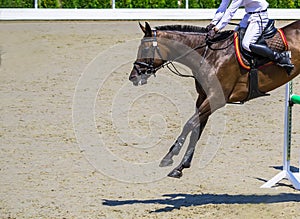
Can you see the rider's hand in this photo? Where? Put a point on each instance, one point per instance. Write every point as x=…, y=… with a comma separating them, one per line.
x=209, y=27
x=211, y=34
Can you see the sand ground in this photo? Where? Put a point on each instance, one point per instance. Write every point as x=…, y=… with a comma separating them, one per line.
x=49, y=169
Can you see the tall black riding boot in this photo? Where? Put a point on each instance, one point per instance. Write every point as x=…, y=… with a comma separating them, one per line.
x=282, y=59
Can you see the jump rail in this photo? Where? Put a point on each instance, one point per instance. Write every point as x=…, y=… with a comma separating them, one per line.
x=286, y=173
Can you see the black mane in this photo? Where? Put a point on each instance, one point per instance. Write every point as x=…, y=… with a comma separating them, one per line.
x=182, y=28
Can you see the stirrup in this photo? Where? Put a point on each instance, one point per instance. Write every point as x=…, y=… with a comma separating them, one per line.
x=288, y=67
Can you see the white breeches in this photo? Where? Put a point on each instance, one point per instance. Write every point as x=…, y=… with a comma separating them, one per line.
x=256, y=25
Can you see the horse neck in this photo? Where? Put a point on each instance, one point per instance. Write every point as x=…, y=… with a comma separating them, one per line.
x=177, y=44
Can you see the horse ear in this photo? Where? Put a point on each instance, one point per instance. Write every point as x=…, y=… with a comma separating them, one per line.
x=143, y=28
x=148, y=32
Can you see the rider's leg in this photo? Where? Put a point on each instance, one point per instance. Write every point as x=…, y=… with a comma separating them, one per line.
x=281, y=59
x=257, y=23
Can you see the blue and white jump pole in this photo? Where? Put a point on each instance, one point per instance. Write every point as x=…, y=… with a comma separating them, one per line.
x=286, y=173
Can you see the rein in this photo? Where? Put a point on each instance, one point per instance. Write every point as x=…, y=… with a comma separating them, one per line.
x=175, y=70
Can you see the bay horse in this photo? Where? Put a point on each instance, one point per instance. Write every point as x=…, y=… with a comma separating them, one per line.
x=219, y=79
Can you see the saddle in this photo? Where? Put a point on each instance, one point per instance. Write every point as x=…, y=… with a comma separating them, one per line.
x=274, y=38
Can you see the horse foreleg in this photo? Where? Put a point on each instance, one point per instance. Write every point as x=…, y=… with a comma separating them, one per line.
x=175, y=149
x=188, y=156
x=197, y=126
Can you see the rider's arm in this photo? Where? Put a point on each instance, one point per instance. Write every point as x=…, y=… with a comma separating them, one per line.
x=233, y=7
x=220, y=11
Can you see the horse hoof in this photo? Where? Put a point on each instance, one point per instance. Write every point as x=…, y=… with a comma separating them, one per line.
x=175, y=174
x=166, y=162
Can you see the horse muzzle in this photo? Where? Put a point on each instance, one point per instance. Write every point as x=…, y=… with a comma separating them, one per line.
x=138, y=80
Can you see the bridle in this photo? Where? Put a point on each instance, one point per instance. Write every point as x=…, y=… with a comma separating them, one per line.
x=148, y=69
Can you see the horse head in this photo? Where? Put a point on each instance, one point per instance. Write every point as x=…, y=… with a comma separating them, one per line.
x=149, y=58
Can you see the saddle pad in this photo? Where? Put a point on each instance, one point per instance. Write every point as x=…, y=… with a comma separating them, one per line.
x=278, y=43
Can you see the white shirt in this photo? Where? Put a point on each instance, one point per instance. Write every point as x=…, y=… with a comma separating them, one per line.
x=223, y=16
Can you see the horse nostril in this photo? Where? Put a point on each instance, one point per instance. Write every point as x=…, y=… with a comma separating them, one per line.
x=132, y=77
